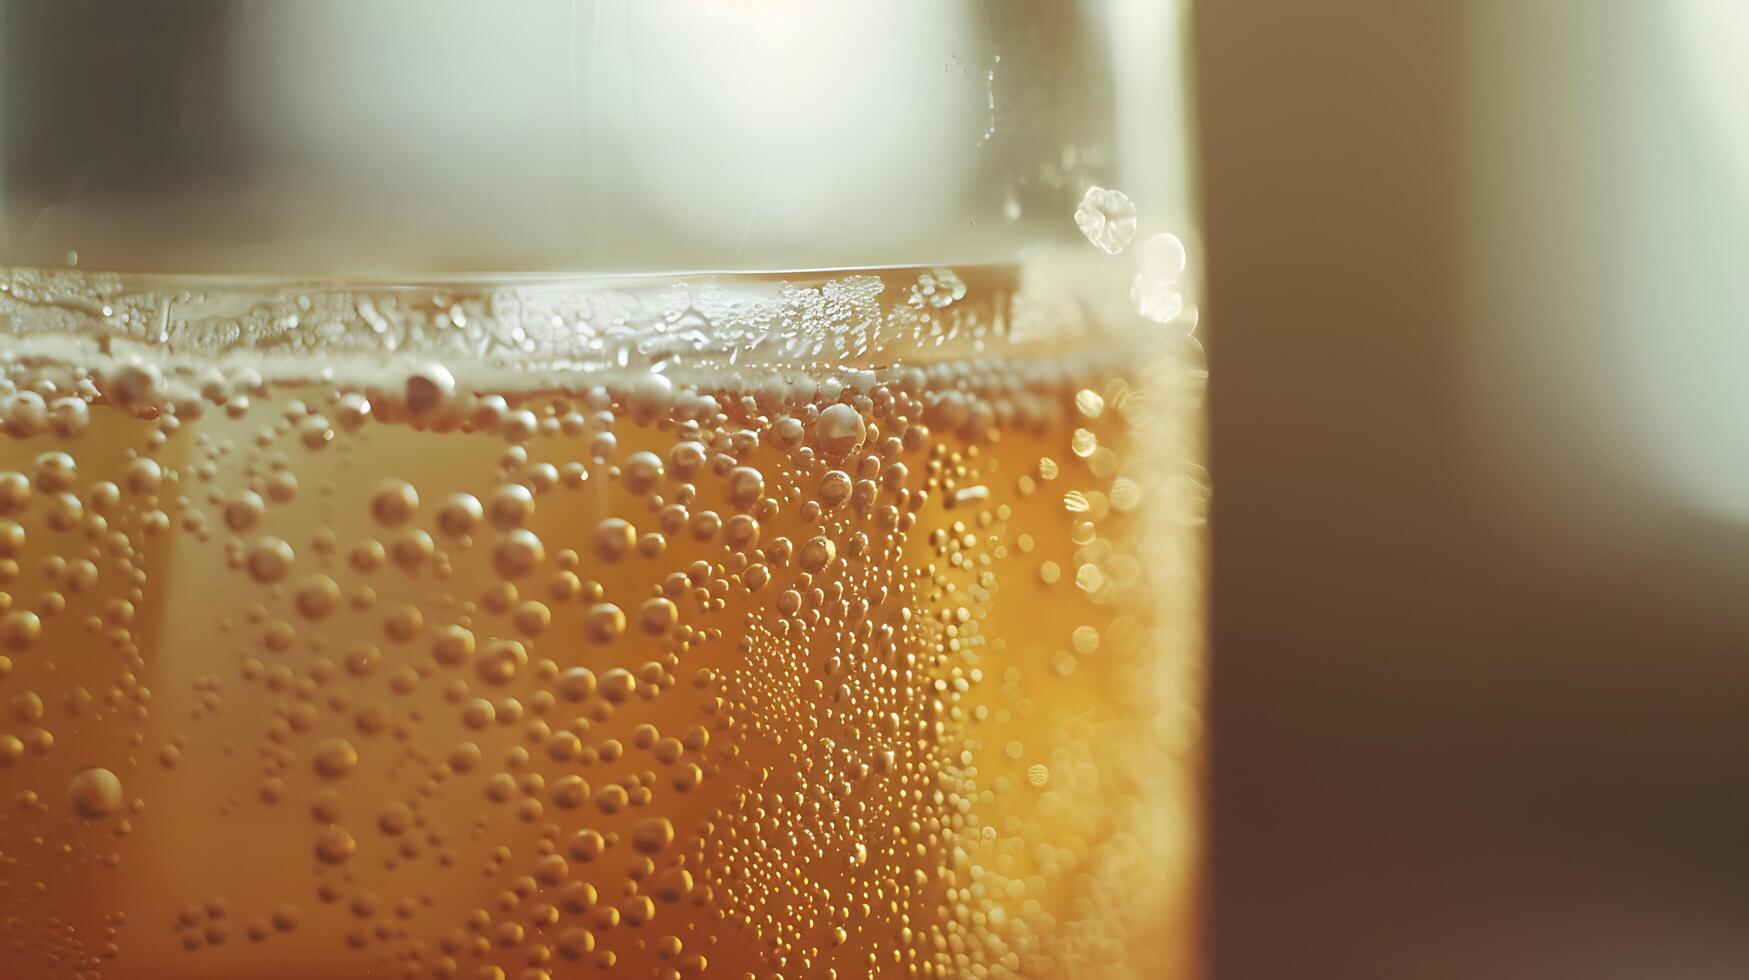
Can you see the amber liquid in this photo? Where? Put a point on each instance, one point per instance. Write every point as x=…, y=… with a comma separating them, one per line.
x=894, y=679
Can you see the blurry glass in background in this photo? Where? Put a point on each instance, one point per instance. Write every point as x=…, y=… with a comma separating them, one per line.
x=674, y=486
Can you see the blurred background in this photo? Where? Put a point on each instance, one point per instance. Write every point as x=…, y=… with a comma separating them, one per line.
x=1479, y=336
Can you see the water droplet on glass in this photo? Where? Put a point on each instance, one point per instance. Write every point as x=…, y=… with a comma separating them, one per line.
x=1107, y=218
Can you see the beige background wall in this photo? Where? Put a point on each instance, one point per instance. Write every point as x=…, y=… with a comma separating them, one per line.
x=1480, y=417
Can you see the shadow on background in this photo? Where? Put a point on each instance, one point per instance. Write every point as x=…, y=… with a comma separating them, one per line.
x=1480, y=697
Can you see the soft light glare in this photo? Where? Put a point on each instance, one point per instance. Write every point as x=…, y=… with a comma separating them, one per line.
x=1611, y=177
x=1715, y=36
x=826, y=95
x=722, y=127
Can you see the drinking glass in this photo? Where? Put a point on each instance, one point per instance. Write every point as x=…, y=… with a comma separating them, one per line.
x=676, y=487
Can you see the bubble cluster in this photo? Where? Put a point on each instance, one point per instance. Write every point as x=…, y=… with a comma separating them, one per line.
x=471, y=665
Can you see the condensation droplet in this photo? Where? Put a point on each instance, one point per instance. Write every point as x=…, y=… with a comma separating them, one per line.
x=1107, y=218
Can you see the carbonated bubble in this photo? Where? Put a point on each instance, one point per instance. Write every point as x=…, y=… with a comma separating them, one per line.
x=817, y=553
x=518, y=553
x=511, y=506
x=460, y=514
x=394, y=502
x=657, y=616
x=453, y=646
x=604, y=623
x=840, y=430
x=429, y=388
x=334, y=845
x=614, y=537
x=335, y=758
x=640, y=472
x=270, y=559
x=318, y=597
x=95, y=793
x=746, y=484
